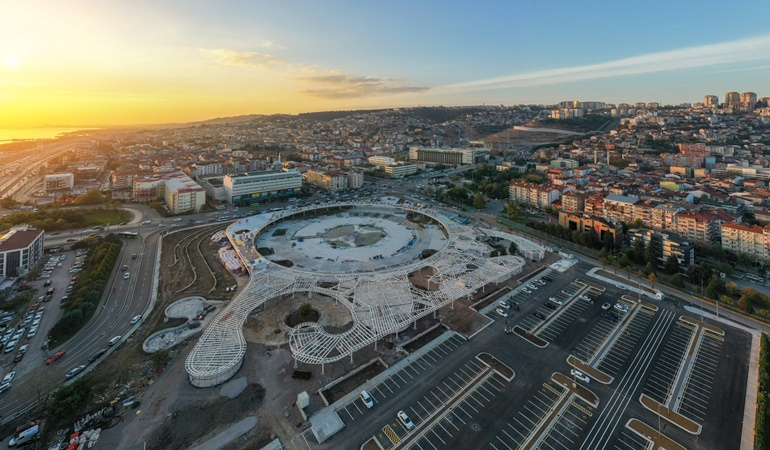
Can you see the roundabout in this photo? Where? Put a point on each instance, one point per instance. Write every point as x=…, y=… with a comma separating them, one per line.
x=388, y=264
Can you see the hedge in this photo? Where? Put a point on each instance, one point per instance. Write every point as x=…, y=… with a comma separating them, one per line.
x=760, y=426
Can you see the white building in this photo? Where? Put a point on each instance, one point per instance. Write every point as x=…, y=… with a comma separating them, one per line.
x=247, y=188
x=20, y=250
x=381, y=160
x=59, y=181
x=182, y=194
x=446, y=155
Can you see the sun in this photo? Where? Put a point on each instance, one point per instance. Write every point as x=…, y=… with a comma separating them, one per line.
x=10, y=61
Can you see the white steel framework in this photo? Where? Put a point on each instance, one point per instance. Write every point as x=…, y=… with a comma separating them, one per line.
x=380, y=302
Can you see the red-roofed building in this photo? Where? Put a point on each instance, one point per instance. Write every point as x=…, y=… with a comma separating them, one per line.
x=751, y=239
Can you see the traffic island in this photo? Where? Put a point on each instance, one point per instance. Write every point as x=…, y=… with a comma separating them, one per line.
x=578, y=389
x=672, y=416
x=649, y=434
x=496, y=365
x=531, y=338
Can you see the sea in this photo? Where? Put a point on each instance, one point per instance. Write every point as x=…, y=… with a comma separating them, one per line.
x=24, y=134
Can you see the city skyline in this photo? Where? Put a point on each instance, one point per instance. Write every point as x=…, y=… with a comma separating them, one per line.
x=92, y=64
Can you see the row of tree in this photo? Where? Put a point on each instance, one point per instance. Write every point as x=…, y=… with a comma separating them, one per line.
x=88, y=291
x=760, y=424
x=55, y=219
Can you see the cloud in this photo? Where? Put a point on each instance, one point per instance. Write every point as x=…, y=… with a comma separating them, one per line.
x=340, y=86
x=713, y=55
x=251, y=59
x=327, y=84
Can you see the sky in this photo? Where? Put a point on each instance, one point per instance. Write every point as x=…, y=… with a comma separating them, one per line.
x=99, y=63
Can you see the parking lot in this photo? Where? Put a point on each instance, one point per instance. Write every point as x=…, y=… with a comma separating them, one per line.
x=443, y=429
x=568, y=310
x=617, y=357
x=402, y=379
x=659, y=383
x=563, y=433
x=699, y=386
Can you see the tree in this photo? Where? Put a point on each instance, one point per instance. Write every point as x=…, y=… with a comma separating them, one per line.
x=677, y=281
x=513, y=248
x=512, y=209
x=92, y=197
x=625, y=263
x=712, y=291
x=649, y=269
x=8, y=203
x=672, y=264
x=650, y=253
x=305, y=309
x=653, y=279
x=71, y=400
x=478, y=201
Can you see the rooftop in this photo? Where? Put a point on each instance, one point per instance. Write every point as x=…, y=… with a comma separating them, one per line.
x=18, y=237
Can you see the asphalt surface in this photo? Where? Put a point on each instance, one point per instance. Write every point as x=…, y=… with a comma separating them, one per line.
x=502, y=418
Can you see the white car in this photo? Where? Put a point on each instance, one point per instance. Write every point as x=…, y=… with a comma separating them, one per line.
x=23, y=349
x=405, y=420
x=580, y=376
x=526, y=291
x=504, y=304
x=606, y=306
x=135, y=319
x=556, y=300
x=10, y=346
x=622, y=307
x=8, y=377
x=126, y=276
x=113, y=341
x=367, y=399
x=74, y=371
x=32, y=332
x=501, y=311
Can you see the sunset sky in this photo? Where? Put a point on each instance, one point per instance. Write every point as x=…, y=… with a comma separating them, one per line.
x=97, y=63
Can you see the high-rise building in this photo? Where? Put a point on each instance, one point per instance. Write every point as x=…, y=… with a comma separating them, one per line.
x=732, y=100
x=748, y=100
x=711, y=100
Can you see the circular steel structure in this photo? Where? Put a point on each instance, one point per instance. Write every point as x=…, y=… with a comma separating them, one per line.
x=382, y=300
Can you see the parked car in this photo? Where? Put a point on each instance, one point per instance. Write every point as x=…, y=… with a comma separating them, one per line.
x=580, y=376
x=550, y=305
x=8, y=377
x=501, y=311
x=405, y=420
x=4, y=387
x=606, y=306
x=539, y=315
x=556, y=300
x=367, y=399
x=97, y=355
x=504, y=304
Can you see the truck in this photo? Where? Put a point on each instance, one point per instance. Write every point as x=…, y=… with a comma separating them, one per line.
x=31, y=434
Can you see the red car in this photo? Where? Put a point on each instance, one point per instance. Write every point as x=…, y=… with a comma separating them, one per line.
x=55, y=357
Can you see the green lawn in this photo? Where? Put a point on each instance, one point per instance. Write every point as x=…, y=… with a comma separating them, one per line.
x=113, y=217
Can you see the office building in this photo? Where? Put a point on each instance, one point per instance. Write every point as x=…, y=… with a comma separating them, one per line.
x=21, y=248
x=59, y=182
x=248, y=188
x=453, y=156
x=381, y=160
x=400, y=170
x=605, y=229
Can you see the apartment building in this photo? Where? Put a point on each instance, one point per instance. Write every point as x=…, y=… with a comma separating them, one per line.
x=698, y=227
x=750, y=239
x=665, y=245
x=585, y=222
x=573, y=202
x=21, y=248
x=182, y=194
x=535, y=195
x=329, y=181
x=620, y=207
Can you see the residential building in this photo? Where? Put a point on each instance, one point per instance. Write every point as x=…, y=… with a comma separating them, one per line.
x=620, y=207
x=182, y=194
x=147, y=189
x=665, y=245
x=21, y=248
x=247, y=188
x=585, y=222
x=711, y=101
x=732, y=100
x=573, y=202
x=748, y=100
x=59, y=181
x=539, y=196
x=750, y=239
x=331, y=181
